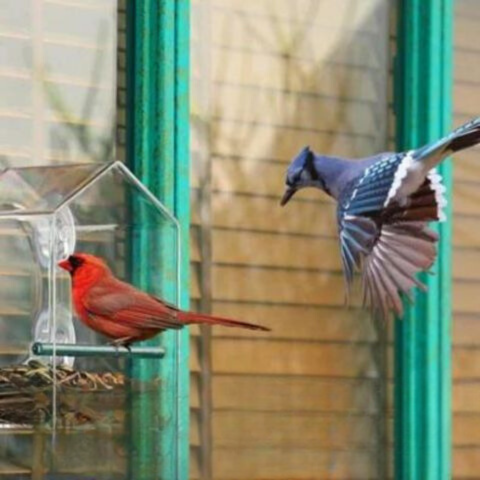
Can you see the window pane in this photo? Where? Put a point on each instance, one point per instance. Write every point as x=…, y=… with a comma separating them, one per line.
x=466, y=250
x=307, y=400
x=58, y=78
x=58, y=65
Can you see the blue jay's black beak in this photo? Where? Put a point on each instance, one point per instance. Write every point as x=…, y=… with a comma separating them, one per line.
x=289, y=192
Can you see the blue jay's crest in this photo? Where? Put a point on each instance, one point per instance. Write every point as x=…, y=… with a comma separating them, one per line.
x=303, y=161
x=385, y=204
x=301, y=173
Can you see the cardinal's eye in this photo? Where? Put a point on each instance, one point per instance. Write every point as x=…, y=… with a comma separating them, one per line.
x=75, y=262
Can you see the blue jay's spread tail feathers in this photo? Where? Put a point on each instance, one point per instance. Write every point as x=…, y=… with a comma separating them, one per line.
x=385, y=203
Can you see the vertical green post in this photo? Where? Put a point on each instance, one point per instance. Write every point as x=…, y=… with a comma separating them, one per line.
x=423, y=84
x=182, y=212
x=158, y=153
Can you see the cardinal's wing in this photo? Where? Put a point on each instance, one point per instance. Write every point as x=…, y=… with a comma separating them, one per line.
x=122, y=303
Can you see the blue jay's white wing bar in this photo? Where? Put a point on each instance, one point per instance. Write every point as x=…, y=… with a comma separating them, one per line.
x=439, y=190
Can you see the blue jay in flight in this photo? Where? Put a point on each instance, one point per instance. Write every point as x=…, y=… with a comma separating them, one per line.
x=384, y=205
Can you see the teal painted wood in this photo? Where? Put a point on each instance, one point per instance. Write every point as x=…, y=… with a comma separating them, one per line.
x=158, y=153
x=423, y=81
x=182, y=212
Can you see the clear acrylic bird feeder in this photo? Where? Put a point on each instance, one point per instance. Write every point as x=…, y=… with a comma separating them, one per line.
x=82, y=409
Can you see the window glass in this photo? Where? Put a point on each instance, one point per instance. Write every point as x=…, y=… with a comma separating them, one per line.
x=58, y=63
x=309, y=399
x=466, y=250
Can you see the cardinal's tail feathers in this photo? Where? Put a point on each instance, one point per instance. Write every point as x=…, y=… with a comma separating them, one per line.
x=190, y=317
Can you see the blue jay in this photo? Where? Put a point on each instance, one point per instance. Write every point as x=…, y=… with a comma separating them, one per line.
x=384, y=205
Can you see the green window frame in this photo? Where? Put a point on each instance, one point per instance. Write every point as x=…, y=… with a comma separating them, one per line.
x=158, y=152
x=423, y=96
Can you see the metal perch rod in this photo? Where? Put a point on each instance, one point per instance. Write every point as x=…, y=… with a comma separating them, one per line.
x=73, y=350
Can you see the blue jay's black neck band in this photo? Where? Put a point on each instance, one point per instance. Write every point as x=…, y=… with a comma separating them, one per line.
x=310, y=166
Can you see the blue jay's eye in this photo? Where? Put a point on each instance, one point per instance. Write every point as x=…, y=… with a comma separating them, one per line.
x=75, y=262
x=294, y=178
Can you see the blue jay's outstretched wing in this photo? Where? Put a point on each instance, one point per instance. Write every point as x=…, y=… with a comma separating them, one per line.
x=389, y=245
x=364, y=195
x=389, y=257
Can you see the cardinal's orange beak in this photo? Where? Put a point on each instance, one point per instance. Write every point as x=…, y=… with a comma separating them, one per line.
x=66, y=265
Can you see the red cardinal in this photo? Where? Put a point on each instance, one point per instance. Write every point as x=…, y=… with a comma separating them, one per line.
x=120, y=311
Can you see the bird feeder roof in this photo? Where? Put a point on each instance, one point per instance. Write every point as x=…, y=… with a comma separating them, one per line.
x=43, y=190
